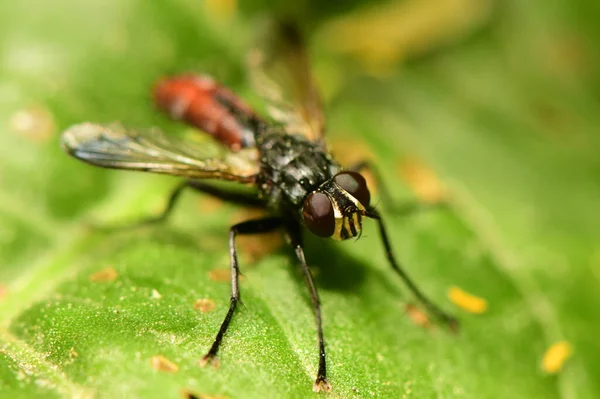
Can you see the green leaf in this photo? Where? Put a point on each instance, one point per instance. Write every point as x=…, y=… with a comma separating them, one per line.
x=507, y=119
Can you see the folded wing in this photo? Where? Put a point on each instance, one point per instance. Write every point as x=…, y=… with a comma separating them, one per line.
x=112, y=146
x=280, y=72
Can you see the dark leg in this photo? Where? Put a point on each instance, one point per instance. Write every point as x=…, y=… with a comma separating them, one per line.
x=321, y=382
x=238, y=198
x=173, y=197
x=249, y=227
x=406, y=208
x=431, y=307
x=230, y=196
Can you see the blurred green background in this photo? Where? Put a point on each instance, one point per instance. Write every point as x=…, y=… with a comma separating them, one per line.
x=498, y=99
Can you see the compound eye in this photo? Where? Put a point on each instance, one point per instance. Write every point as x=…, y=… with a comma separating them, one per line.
x=318, y=214
x=355, y=185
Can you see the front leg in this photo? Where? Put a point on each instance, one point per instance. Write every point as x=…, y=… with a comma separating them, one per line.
x=294, y=234
x=435, y=310
x=238, y=198
x=249, y=227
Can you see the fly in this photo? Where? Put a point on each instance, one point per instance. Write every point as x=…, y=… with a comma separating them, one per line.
x=284, y=158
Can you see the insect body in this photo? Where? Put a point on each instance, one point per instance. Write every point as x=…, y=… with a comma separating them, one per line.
x=286, y=160
x=203, y=103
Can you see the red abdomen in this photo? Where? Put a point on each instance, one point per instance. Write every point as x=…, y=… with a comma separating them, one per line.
x=206, y=105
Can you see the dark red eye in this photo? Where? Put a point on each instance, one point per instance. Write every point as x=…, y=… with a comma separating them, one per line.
x=355, y=185
x=318, y=214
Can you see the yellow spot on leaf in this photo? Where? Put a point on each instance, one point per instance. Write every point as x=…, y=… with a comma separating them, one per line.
x=35, y=123
x=417, y=316
x=555, y=357
x=349, y=151
x=73, y=354
x=161, y=363
x=382, y=36
x=204, y=305
x=466, y=301
x=222, y=10
x=104, y=275
x=210, y=204
x=219, y=275
x=422, y=180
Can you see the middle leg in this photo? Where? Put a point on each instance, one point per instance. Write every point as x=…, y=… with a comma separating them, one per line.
x=321, y=382
x=249, y=227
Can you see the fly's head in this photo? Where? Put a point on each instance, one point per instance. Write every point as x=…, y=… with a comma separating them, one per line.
x=336, y=208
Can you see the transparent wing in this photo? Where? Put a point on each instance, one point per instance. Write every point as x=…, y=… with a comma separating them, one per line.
x=280, y=72
x=112, y=146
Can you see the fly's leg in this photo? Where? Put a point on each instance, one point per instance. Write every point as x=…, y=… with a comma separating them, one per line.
x=233, y=197
x=173, y=197
x=404, y=209
x=226, y=195
x=321, y=382
x=249, y=227
x=435, y=310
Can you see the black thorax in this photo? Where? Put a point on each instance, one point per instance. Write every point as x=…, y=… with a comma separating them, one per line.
x=291, y=168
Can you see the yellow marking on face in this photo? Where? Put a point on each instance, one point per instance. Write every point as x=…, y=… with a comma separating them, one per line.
x=339, y=221
x=342, y=222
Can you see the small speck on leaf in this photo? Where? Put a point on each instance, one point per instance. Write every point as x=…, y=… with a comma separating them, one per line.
x=104, y=275
x=35, y=123
x=73, y=354
x=210, y=204
x=556, y=356
x=155, y=294
x=417, y=315
x=185, y=394
x=3, y=292
x=422, y=180
x=204, y=305
x=161, y=363
x=220, y=10
x=219, y=275
x=466, y=301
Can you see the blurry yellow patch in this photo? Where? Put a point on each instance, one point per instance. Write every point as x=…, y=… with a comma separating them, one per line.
x=3, y=291
x=221, y=10
x=219, y=275
x=104, y=275
x=208, y=203
x=350, y=151
x=204, y=305
x=35, y=123
x=567, y=56
x=161, y=363
x=382, y=36
x=422, y=180
x=73, y=354
x=417, y=316
x=555, y=357
x=252, y=248
x=466, y=301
